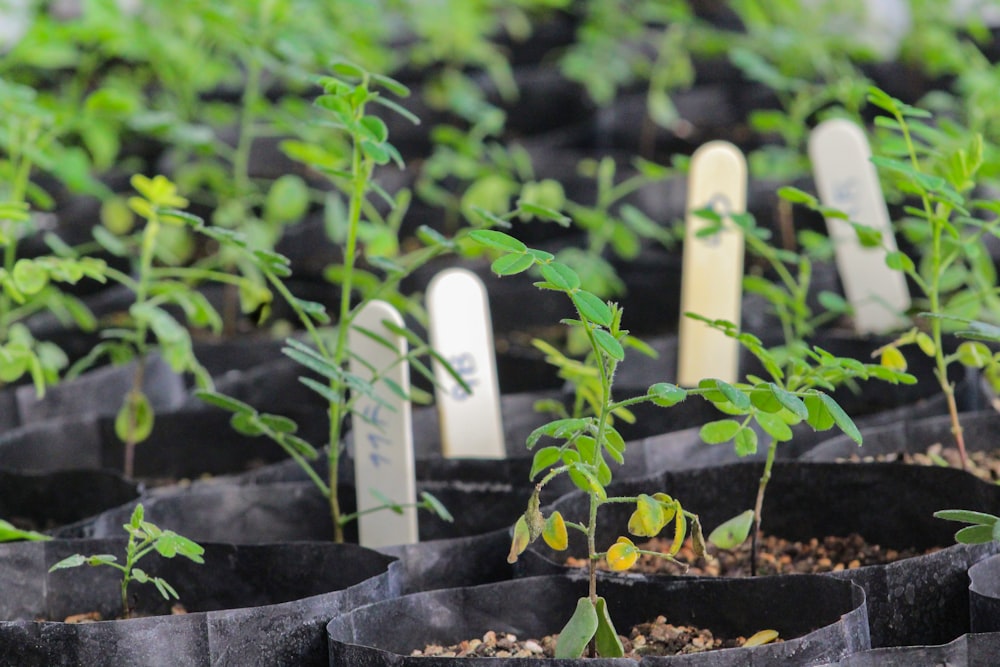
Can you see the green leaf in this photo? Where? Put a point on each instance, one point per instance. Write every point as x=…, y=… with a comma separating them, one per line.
x=76, y=560
x=543, y=459
x=819, y=416
x=30, y=276
x=745, y=442
x=841, y=418
x=578, y=632
x=287, y=199
x=973, y=354
x=606, y=638
x=223, y=401
x=722, y=430
x=436, y=506
x=560, y=275
x=732, y=533
x=246, y=423
x=559, y=428
x=592, y=307
x=134, y=421
x=774, y=426
x=10, y=533
x=509, y=265
x=609, y=344
x=739, y=399
x=974, y=535
x=279, y=423
x=789, y=401
x=496, y=240
x=898, y=261
x=967, y=516
x=665, y=394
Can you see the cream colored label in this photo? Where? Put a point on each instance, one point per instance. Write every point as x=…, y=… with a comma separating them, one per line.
x=462, y=333
x=712, y=275
x=847, y=180
x=382, y=432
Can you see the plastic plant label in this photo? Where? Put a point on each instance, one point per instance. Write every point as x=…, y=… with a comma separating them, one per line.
x=712, y=274
x=462, y=333
x=847, y=180
x=382, y=431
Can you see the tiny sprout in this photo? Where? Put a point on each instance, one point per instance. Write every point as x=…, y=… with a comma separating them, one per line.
x=143, y=538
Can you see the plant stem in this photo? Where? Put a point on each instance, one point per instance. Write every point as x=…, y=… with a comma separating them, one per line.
x=759, y=505
x=361, y=172
x=936, y=218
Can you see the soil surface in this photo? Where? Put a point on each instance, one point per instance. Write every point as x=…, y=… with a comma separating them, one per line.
x=984, y=464
x=95, y=616
x=777, y=556
x=654, y=638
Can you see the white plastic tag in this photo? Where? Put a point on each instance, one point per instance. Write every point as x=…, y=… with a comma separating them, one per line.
x=462, y=333
x=712, y=274
x=847, y=180
x=382, y=431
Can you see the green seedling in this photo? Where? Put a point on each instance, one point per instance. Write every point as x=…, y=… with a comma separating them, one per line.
x=326, y=353
x=11, y=533
x=982, y=529
x=955, y=274
x=158, y=284
x=29, y=140
x=810, y=60
x=799, y=375
x=143, y=539
x=585, y=444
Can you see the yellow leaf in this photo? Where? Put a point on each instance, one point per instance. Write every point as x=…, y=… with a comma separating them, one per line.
x=761, y=638
x=522, y=538
x=554, y=533
x=892, y=358
x=622, y=555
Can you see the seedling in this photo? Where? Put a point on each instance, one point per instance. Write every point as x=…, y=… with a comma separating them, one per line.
x=156, y=285
x=955, y=274
x=800, y=375
x=143, y=538
x=29, y=141
x=327, y=354
x=982, y=529
x=586, y=444
x=11, y=533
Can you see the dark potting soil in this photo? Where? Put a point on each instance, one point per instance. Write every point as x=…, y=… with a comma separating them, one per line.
x=94, y=616
x=983, y=464
x=777, y=556
x=657, y=637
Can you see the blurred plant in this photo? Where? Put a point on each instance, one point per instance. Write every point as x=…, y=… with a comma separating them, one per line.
x=157, y=283
x=349, y=92
x=809, y=58
x=11, y=533
x=954, y=272
x=29, y=139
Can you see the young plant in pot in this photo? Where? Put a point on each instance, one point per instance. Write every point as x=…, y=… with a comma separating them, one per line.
x=798, y=376
x=161, y=288
x=27, y=285
x=586, y=442
x=954, y=273
x=144, y=537
x=348, y=94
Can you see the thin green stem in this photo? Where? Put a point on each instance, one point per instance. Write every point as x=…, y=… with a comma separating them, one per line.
x=936, y=219
x=759, y=504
